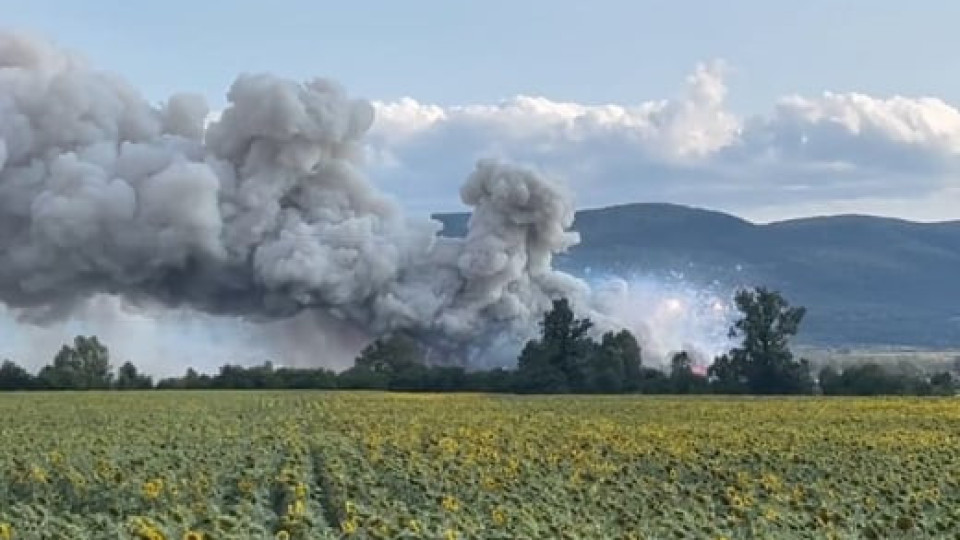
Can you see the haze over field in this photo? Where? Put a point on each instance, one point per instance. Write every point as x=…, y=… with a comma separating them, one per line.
x=281, y=196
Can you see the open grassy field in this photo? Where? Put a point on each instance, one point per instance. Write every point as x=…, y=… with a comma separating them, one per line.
x=294, y=465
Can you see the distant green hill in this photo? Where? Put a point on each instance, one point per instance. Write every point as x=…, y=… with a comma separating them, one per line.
x=866, y=280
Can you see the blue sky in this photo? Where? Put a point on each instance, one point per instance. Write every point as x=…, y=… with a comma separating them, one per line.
x=467, y=52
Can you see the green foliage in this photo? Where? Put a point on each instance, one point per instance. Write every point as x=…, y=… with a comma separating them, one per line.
x=128, y=378
x=763, y=363
x=264, y=376
x=682, y=378
x=617, y=364
x=392, y=360
x=566, y=359
x=872, y=379
x=85, y=366
x=537, y=374
x=396, y=362
x=560, y=360
x=943, y=384
x=14, y=377
x=190, y=381
x=390, y=355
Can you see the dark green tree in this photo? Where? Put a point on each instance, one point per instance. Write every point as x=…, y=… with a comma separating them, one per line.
x=390, y=355
x=943, y=384
x=387, y=359
x=873, y=379
x=313, y=378
x=682, y=378
x=568, y=344
x=616, y=365
x=727, y=377
x=14, y=377
x=605, y=372
x=233, y=377
x=828, y=380
x=681, y=365
x=128, y=378
x=560, y=360
x=84, y=366
x=536, y=373
x=63, y=374
x=193, y=380
x=764, y=360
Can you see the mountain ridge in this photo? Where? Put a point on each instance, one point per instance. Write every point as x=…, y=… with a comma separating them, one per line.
x=866, y=280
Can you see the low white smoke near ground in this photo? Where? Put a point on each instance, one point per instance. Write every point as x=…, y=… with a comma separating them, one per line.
x=165, y=341
x=669, y=316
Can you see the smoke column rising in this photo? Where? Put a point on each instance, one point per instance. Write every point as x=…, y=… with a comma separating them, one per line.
x=263, y=214
x=110, y=207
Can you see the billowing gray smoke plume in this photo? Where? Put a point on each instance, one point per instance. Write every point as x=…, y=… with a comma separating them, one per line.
x=263, y=214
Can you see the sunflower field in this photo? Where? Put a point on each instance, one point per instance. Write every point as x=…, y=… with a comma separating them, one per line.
x=303, y=465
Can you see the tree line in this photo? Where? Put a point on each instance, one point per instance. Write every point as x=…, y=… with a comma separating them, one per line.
x=564, y=358
x=83, y=366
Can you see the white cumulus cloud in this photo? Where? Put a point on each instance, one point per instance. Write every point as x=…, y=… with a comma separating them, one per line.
x=806, y=154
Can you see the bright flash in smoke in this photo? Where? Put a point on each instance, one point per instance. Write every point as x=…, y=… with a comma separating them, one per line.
x=673, y=305
x=668, y=315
